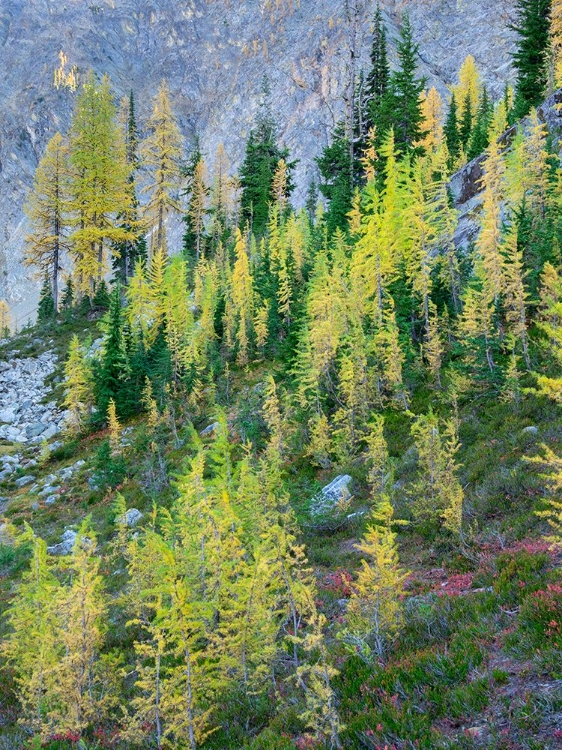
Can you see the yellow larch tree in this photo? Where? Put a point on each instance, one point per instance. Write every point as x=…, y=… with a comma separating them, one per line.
x=279, y=187
x=529, y=168
x=161, y=153
x=261, y=326
x=553, y=513
x=78, y=399
x=432, y=123
x=177, y=313
x=99, y=187
x=326, y=318
x=114, y=428
x=241, y=310
x=140, y=310
x=377, y=457
x=156, y=280
x=31, y=645
x=221, y=202
x=550, y=323
x=198, y=205
x=314, y=678
x=433, y=345
x=515, y=296
x=489, y=241
x=81, y=609
x=375, y=613
x=319, y=445
x=389, y=359
x=5, y=319
x=47, y=208
x=437, y=494
x=556, y=41
x=469, y=87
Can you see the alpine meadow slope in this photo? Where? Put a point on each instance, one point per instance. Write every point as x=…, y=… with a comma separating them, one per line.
x=281, y=454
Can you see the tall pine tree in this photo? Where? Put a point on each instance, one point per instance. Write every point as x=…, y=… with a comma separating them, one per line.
x=259, y=166
x=530, y=57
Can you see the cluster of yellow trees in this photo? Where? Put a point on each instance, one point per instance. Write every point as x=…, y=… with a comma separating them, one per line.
x=84, y=205
x=219, y=599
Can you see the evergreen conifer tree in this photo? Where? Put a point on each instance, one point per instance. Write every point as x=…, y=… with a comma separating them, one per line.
x=68, y=298
x=530, y=58
x=405, y=90
x=258, y=169
x=451, y=132
x=377, y=79
x=46, y=307
x=133, y=247
x=112, y=370
x=337, y=183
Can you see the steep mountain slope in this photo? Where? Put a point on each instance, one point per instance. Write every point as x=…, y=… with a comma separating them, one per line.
x=213, y=54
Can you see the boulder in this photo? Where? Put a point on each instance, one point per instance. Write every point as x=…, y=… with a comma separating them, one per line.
x=35, y=429
x=50, y=432
x=65, y=546
x=23, y=481
x=333, y=498
x=338, y=489
x=6, y=535
x=131, y=517
x=532, y=430
x=8, y=416
x=210, y=429
x=48, y=490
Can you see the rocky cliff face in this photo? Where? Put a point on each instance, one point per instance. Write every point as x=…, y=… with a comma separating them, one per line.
x=213, y=54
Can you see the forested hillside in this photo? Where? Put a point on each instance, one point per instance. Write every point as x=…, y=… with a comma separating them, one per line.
x=296, y=482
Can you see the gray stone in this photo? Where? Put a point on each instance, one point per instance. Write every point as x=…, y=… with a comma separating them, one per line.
x=331, y=496
x=51, y=500
x=48, y=490
x=6, y=536
x=131, y=518
x=338, y=489
x=210, y=429
x=65, y=546
x=50, y=432
x=35, y=429
x=8, y=415
x=532, y=430
x=23, y=481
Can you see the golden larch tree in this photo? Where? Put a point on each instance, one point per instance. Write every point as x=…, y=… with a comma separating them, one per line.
x=161, y=153
x=47, y=210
